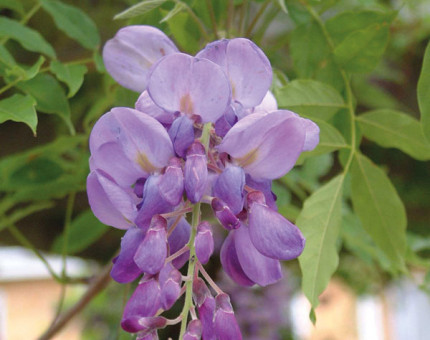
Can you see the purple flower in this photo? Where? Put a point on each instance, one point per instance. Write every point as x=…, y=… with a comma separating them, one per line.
x=226, y=326
x=128, y=57
x=192, y=86
x=204, y=242
x=194, y=330
x=195, y=172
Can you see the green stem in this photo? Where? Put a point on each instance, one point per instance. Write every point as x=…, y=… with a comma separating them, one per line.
x=191, y=269
x=196, y=20
x=349, y=98
x=73, y=62
x=256, y=18
x=230, y=15
x=243, y=11
x=11, y=84
x=213, y=19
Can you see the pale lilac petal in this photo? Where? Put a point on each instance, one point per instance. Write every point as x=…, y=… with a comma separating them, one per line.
x=146, y=105
x=272, y=234
x=111, y=158
x=312, y=135
x=192, y=86
x=268, y=104
x=129, y=56
x=152, y=252
x=111, y=204
x=225, y=322
x=182, y=135
x=204, y=242
x=229, y=188
x=266, y=145
x=247, y=68
x=230, y=262
x=259, y=268
x=125, y=269
x=195, y=172
x=144, y=302
x=152, y=202
x=171, y=183
x=143, y=139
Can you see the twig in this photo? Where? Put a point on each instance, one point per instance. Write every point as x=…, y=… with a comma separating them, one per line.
x=99, y=283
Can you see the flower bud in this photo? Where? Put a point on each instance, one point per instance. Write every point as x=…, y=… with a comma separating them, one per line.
x=223, y=213
x=170, y=288
x=229, y=188
x=225, y=322
x=204, y=242
x=171, y=183
x=195, y=172
x=194, y=330
x=152, y=252
x=182, y=135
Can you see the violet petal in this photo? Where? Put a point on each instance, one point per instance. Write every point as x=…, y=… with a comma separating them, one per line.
x=204, y=242
x=229, y=188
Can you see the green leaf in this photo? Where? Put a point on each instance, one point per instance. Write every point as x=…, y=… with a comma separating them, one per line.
x=185, y=32
x=139, y=9
x=320, y=223
x=362, y=50
x=379, y=208
x=346, y=23
x=424, y=93
x=73, y=22
x=358, y=241
x=282, y=5
x=24, y=72
x=27, y=37
x=13, y=5
x=310, y=98
x=85, y=229
x=49, y=95
x=19, y=108
x=330, y=140
x=179, y=7
x=72, y=75
x=309, y=49
x=394, y=129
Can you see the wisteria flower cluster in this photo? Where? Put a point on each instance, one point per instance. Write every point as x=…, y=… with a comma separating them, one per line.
x=205, y=130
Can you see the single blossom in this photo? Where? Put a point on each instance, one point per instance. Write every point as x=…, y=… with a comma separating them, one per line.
x=128, y=57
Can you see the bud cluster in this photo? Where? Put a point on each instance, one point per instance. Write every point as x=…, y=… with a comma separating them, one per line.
x=205, y=130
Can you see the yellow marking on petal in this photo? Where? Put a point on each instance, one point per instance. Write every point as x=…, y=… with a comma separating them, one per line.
x=249, y=158
x=144, y=163
x=186, y=104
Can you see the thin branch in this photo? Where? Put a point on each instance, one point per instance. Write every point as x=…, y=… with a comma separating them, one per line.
x=256, y=18
x=213, y=19
x=96, y=286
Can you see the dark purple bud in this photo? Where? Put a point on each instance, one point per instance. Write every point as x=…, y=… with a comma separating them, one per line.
x=152, y=252
x=204, y=242
x=200, y=292
x=152, y=202
x=144, y=325
x=229, y=188
x=227, y=120
x=225, y=322
x=265, y=186
x=271, y=233
x=171, y=289
x=196, y=172
x=144, y=302
x=125, y=269
x=151, y=336
x=138, y=187
x=224, y=214
x=178, y=239
x=194, y=330
x=171, y=183
x=182, y=135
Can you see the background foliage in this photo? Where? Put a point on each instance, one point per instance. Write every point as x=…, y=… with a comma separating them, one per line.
x=359, y=68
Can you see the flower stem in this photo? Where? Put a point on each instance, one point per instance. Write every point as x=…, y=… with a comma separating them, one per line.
x=191, y=268
x=256, y=18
